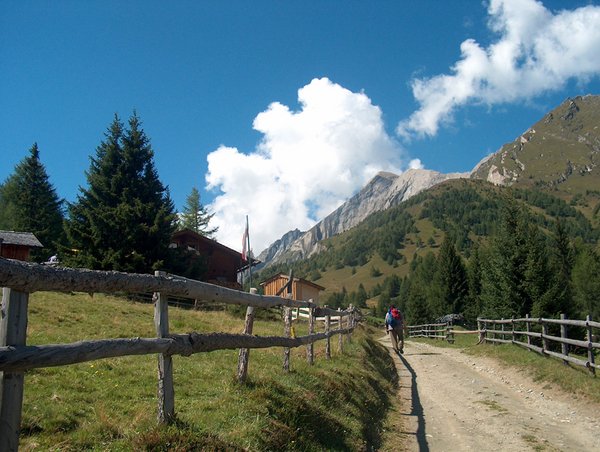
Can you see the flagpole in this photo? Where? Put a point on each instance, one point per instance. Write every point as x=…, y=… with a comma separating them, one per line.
x=249, y=253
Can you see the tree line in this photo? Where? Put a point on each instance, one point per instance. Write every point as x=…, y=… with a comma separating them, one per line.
x=504, y=252
x=521, y=269
x=123, y=219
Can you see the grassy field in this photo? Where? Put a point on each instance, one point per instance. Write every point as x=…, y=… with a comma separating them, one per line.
x=111, y=404
x=574, y=380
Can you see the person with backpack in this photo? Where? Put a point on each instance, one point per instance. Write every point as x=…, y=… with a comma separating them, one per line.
x=394, y=326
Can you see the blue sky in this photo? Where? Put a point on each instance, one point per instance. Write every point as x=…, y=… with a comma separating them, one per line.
x=293, y=104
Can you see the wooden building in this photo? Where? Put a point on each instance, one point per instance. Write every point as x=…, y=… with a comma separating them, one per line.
x=17, y=245
x=301, y=288
x=223, y=263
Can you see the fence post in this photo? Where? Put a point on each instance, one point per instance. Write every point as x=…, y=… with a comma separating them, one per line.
x=166, y=391
x=592, y=369
x=528, y=328
x=328, y=340
x=287, y=330
x=349, y=322
x=450, y=332
x=310, y=348
x=544, y=336
x=244, y=354
x=13, y=331
x=480, y=331
x=340, y=339
x=502, y=328
x=563, y=334
x=512, y=324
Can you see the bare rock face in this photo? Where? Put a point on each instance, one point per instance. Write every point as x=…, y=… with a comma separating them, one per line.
x=382, y=192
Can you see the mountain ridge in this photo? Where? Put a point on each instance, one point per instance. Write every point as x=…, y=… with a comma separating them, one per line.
x=383, y=191
x=559, y=152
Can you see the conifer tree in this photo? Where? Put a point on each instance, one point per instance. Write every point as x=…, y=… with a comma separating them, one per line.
x=196, y=217
x=502, y=289
x=473, y=307
x=29, y=203
x=586, y=284
x=451, y=278
x=124, y=219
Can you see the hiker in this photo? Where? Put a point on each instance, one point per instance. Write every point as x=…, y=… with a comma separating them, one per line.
x=394, y=326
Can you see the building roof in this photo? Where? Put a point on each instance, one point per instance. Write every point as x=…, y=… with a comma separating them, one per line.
x=300, y=280
x=20, y=238
x=201, y=238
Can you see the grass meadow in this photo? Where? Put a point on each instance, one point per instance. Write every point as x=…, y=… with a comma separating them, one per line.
x=111, y=404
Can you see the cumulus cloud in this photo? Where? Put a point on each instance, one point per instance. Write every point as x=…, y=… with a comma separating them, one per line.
x=308, y=162
x=536, y=51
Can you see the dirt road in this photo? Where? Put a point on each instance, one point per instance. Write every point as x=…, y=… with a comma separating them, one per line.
x=450, y=401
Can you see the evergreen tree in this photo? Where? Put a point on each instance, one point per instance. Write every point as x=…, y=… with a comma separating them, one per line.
x=361, y=296
x=586, y=284
x=195, y=216
x=451, y=278
x=562, y=259
x=124, y=220
x=29, y=203
x=473, y=307
x=502, y=289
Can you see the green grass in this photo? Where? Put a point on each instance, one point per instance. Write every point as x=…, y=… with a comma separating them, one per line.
x=574, y=380
x=111, y=404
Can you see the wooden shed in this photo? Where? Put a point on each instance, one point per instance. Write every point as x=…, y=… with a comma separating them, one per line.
x=223, y=263
x=17, y=245
x=301, y=288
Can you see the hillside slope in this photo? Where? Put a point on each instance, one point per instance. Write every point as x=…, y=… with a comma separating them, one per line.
x=385, y=190
x=561, y=151
x=387, y=241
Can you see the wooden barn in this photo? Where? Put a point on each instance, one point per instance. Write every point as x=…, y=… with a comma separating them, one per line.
x=223, y=263
x=301, y=288
x=17, y=245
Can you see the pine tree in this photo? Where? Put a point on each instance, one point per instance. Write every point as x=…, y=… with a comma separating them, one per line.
x=502, y=289
x=124, y=220
x=586, y=284
x=29, y=203
x=451, y=278
x=195, y=216
x=473, y=307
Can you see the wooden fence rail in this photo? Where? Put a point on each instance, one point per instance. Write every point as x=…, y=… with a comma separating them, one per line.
x=520, y=333
x=443, y=331
x=19, y=279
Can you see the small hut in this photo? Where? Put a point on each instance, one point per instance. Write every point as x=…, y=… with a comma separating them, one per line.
x=17, y=245
x=301, y=288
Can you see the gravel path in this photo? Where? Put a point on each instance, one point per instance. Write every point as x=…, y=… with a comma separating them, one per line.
x=450, y=401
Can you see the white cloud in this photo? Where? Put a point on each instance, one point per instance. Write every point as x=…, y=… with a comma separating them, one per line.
x=536, y=51
x=308, y=162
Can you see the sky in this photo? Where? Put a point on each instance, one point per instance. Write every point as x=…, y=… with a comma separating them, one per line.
x=282, y=110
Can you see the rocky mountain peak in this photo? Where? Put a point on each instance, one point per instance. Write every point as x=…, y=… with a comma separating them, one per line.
x=383, y=191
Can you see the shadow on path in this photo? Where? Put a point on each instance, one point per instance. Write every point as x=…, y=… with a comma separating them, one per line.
x=417, y=408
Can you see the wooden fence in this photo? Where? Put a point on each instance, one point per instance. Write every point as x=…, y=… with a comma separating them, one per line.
x=19, y=279
x=443, y=331
x=534, y=334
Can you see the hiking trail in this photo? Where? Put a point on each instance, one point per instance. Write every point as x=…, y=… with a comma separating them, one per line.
x=450, y=401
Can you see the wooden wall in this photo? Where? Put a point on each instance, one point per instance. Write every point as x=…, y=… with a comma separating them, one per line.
x=15, y=252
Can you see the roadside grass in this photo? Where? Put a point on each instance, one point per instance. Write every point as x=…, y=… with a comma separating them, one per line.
x=574, y=380
x=111, y=404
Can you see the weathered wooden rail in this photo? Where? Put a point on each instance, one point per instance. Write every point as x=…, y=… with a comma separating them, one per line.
x=521, y=332
x=19, y=279
x=443, y=331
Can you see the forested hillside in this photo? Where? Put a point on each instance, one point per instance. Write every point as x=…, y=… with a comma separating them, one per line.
x=466, y=247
